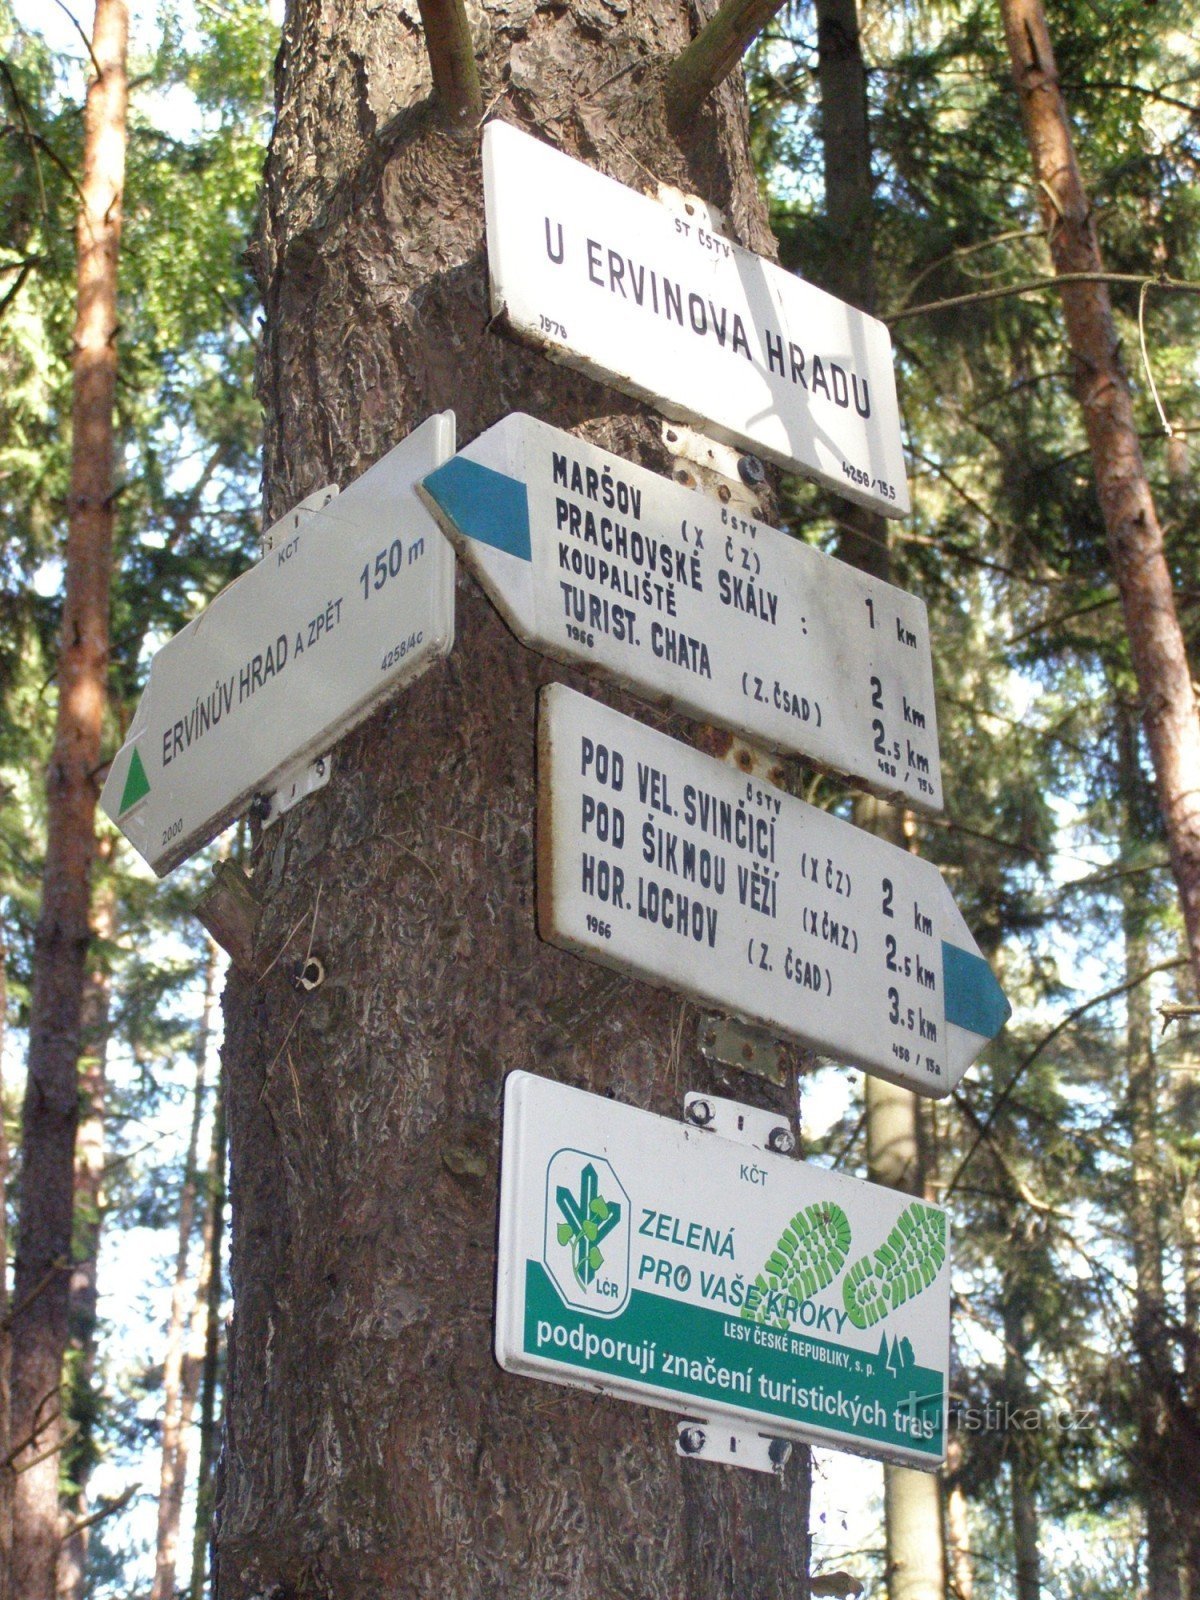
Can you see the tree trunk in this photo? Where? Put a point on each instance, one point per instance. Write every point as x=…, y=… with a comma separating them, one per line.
x=50, y=1112
x=1189, y=1251
x=959, y=1570
x=1151, y=1338
x=176, y=1409
x=214, y=1225
x=1022, y=1456
x=1135, y=540
x=912, y=1500
x=89, y=1218
x=6, y=1473
x=372, y=1447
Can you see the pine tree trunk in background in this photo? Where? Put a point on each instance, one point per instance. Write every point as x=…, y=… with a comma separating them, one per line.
x=912, y=1500
x=50, y=1112
x=176, y=1409
x=959, y=1571
x=214, y=1231
x=1022, y=1451
x=1150, y=1333
x=6, y=1475
x=89, y=1218
x=1135, y=540
x=372, y=1447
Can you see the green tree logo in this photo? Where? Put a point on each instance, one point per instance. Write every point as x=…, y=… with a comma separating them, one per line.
x=589, y=1219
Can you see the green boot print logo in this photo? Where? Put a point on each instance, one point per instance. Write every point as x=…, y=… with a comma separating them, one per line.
x=813, y=1248
x=811, y=1252
x=590, y=1218
x=908, y=1261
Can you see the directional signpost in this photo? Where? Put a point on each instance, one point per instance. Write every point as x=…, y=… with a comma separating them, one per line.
x=685, y=601
x=660, y=861
x=658, y=1263
x=348, y=605
x=662, y=307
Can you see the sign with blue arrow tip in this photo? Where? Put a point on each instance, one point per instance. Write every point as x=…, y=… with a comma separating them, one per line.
x=688, y=602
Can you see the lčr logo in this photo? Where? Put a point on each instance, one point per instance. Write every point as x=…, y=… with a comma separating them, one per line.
x=587, y=1232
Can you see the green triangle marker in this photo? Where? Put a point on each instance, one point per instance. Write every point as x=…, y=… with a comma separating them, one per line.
x=137, y=783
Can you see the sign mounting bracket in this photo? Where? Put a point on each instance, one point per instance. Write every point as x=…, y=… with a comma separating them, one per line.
x=697, y=1439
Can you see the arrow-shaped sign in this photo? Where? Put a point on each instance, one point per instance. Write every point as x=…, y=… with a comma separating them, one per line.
x=683, y=600
x=665, y=308
x=352, y=601
x=660, y=861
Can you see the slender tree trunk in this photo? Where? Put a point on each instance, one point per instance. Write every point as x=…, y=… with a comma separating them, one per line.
x=89, y=1218
x=1135, y=540
x=959, y=1570
x=209, y=1372
x=50, y=1112
x=912, y=1500
x=1187, y=1224
x=1022, y=1456
x=176, y=1381
x=372, y=1447
x=1150, y=1333
x=6, y=1473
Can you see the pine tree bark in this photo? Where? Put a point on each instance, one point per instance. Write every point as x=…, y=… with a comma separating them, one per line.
x=179, y=1387
x=50, y=1111
x=372, y=1448
x=1135, y=539
x=89, y=1221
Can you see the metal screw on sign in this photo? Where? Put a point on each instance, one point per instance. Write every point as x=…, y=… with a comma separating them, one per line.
x=691, y=1441
x=751, y=471
x=780, y=1453
x=700, y=1112
x=782, y=1141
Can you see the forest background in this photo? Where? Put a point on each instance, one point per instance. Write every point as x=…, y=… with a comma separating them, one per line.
x=1069, y=1156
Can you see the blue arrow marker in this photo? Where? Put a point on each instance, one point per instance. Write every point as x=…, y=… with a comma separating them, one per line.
x=483, y=504
x=974, y=1000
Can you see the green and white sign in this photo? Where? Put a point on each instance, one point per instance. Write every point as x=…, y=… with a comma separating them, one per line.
x=656, y=1262
x=352, y=600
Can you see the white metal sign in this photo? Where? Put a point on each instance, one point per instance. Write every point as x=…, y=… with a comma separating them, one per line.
x=612, y=282
x=682, y=599
x=660, y=861
x=350, y=602
x=658, y=1263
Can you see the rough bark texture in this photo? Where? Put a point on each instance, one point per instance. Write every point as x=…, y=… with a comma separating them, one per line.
x=372, y=1447
x=1135, y=540
x=89, y=1220
x=178, y=1384
x=50, y=1113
